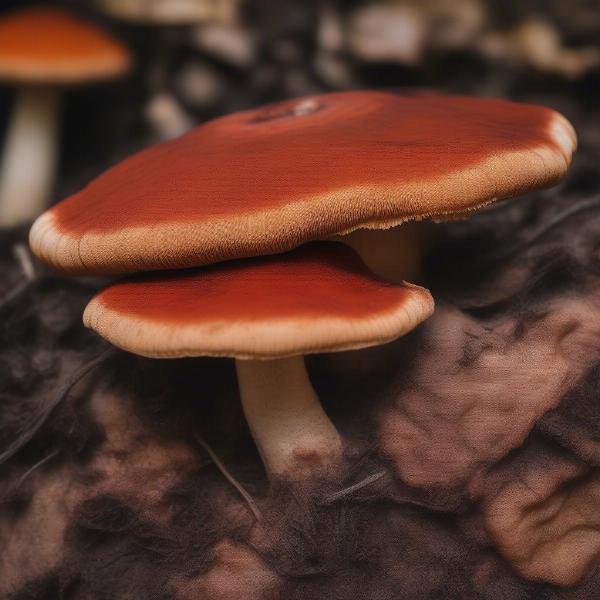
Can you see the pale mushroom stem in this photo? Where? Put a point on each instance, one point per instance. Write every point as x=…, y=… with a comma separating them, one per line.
x=394, y=254
x=29, y=155
x=293, y=434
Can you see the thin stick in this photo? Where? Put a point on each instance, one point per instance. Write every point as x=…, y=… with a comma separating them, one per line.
x=21, y=253
x=36, y=466
x=230, y=478
x=22, y=256
x=355, y=487
x=541, y=231
x=29, y=431
x=14, y=293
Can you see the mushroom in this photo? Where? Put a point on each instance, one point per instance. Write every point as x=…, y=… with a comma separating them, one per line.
x=373, y=178
x=172, y=12
x=266, y=313
x=164, y=112
x=265, y=181
x=537, y=43
x=387, y=32
x=43, y=50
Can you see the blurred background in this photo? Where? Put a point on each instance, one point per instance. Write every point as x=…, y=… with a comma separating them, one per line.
x=197, y=59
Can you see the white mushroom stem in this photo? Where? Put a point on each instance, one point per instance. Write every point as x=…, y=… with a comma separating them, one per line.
x=294, y=435
x=29, y=155
x=394, y=254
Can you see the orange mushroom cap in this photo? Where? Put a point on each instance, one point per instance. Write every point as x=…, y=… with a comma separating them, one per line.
x=267, y=180
x=317, y=298
x=48, y=46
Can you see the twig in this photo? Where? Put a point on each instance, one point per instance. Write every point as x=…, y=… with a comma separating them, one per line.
x=230, y=478
x=14, y=293
x=36, y=466
x=21, y=253
x=29, y=432
x=355, y=487
x=541, y=231
x=22, y=256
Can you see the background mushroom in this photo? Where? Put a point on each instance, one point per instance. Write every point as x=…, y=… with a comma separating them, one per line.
x=171, y=12
x=267, y=313
x=43, y=50
x=262, y=181
x=163, y=26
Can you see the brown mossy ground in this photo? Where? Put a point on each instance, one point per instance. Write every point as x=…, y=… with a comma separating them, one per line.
x=473, y=444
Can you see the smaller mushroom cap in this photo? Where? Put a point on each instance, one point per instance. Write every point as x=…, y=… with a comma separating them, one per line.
x=318, y=298
x=48, y=46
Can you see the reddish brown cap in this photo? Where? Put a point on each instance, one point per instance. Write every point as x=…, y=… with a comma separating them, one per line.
x=267, y=180
x=317, y=298
x=48, y=46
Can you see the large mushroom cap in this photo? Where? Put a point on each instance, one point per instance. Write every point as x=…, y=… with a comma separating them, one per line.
x=317, y=298
x=48, y=46
x=267, y=180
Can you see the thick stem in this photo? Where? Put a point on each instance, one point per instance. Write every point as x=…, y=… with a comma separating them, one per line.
x=29, y=156
x=294, y=435
x=393, y=254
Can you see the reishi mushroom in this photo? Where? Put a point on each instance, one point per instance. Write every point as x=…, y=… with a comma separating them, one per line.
x=43, y=50
x=267, y=180
x=266, y=313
